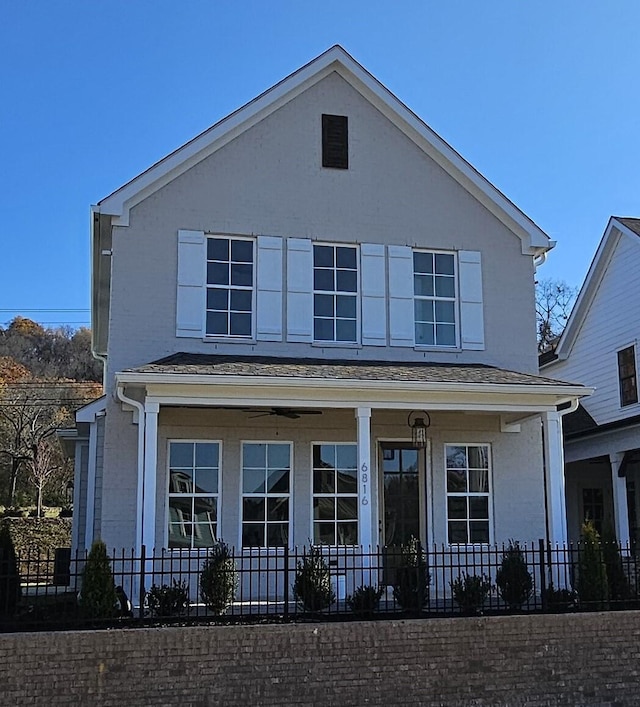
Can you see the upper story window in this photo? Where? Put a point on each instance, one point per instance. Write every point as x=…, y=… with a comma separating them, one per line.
x=335, y=141
x=434, y=289
x=335, y=293
x=194, y=469
x=627, y=376
x=230, y=286
x=468, y=493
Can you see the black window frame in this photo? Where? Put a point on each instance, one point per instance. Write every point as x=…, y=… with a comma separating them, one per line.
x=627, y=376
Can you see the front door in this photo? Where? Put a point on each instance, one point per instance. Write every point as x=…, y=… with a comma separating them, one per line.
x=403, y=507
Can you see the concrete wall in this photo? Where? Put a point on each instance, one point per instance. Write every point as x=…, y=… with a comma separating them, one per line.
x=270, y=181
x=576, y=659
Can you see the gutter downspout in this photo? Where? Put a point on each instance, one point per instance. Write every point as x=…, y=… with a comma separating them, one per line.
x=141, y=454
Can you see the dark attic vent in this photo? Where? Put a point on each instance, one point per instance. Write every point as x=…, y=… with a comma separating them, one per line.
x=335, y=141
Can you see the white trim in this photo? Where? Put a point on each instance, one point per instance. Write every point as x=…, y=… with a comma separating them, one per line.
x=335, y=495
x=335, y=59
x=490, y=495
x=89, y=412
x=149, y=504
x=620, y=502
x=90, y=505
x=218, y=495
x=290, y=495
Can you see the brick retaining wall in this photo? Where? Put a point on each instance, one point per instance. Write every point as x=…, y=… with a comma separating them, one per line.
x=571, y=659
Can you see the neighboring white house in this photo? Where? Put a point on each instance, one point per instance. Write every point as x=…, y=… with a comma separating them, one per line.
x=279, y=299
x=599, y=347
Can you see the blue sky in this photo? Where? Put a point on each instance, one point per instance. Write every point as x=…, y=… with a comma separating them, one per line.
x=541, y=97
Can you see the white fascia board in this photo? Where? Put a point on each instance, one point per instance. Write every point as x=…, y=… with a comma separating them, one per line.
x=589, y=288
x=89, y=412
x=118, y=204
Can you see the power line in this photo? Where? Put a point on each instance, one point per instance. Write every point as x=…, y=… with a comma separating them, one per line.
x=31, y=311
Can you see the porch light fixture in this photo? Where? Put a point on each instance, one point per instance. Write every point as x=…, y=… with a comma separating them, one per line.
x=419, y=428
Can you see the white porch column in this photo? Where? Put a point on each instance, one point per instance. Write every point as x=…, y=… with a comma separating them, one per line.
x=89, y=522
x=150, y=473
x=554, y=478
x=620, y=507
x=363, y=415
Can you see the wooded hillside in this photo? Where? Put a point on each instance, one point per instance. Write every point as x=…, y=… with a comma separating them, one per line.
x=45, y=376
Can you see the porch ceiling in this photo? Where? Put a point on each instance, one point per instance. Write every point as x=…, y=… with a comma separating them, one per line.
x=203, y=379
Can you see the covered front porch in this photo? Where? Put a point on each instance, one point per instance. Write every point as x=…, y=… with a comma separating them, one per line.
x=298, y=452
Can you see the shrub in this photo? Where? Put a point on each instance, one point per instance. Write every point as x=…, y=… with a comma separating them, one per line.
x=411, y=587
x=219, y=579
x=9, y=574
x=364, y=600
x=513, y=578
x=560, y=599
x=592, y=584
x=168, y=599
x=618, y=583
x=312, y=585
x=98, y=599
x=471, y=591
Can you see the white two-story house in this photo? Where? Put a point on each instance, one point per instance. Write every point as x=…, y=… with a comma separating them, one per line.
x=600, y=347
x=317, y=323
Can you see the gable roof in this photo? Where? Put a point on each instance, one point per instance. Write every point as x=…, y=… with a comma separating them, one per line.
x=335, y=59
x=617, y=228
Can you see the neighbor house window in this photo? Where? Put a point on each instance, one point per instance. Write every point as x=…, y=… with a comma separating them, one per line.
x=335, y=494
x=194, y=469
x=335, y=141
x=230, y=284
x=434, y=288
x=335, y=293
x=627, y=376
x=266, y=489
x=468, y=493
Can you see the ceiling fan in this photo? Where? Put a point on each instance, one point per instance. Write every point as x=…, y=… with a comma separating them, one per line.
x=291, y=413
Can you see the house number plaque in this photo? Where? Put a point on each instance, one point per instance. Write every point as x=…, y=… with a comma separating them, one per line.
x=365, y=480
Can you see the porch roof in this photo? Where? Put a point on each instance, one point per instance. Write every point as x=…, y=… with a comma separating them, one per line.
x=186, y=364
x=215, y=380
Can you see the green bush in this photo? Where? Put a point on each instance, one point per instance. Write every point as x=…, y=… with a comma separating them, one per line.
x=364, y=600
x=98, y=598
x=513, y=579
x=412, y=580
x=560, y=599
x=592, y=584
x=168, y=599
x=9, y=574
x=312, y=585
x=618, y=583
x=219, y=579
x=471, y=591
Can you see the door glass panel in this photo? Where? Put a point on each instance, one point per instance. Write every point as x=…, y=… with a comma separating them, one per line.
x=401, y=495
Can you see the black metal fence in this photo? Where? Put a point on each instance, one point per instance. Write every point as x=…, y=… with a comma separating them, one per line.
x=312, y=583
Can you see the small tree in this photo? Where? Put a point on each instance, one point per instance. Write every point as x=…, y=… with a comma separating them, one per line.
x=9, y=574
x=618, y=583
x=364, y=600
x=219, y=579
x=513, y=578
x=470, y=592
x=98, y=598
x=554, y=300
x=411, y=588
x=312, y=585
x=592, y=582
